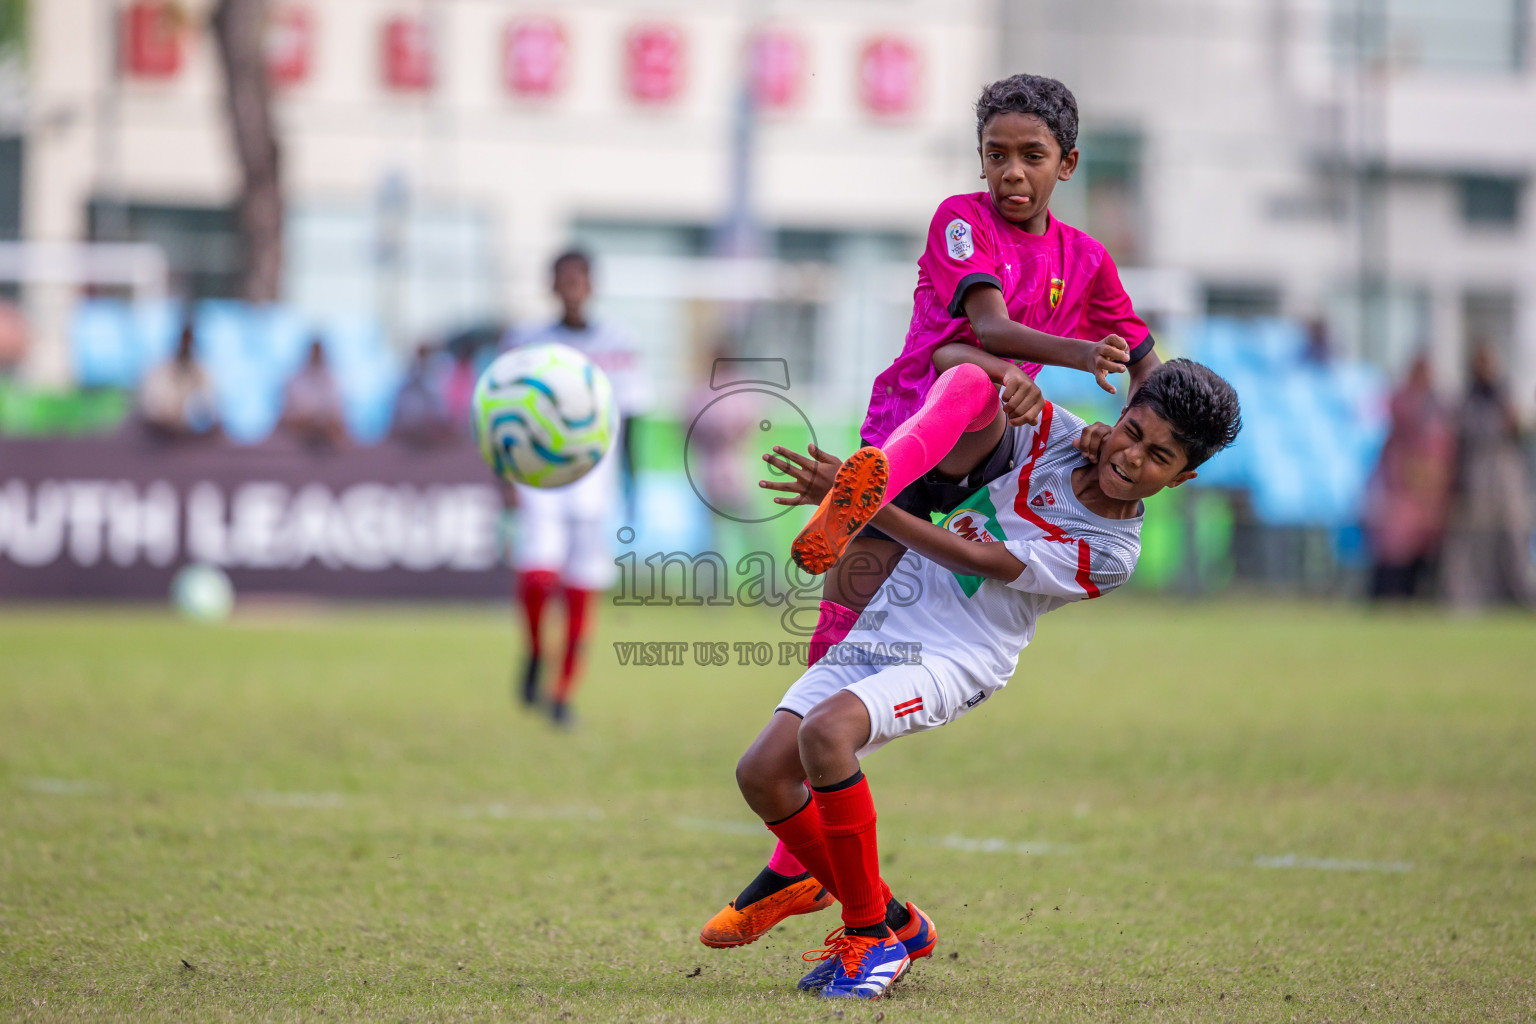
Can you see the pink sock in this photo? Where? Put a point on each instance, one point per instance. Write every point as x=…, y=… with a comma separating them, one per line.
x=784, y=862
x=961, y=400
x=833, y=622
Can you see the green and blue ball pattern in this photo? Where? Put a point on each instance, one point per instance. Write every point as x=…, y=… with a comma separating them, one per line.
x=544, y=415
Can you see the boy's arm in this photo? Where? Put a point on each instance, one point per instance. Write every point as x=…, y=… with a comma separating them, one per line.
x=991, y=559
x=1139, y=370
x=1022, y=400
x=1002, y=336
x=812, y=478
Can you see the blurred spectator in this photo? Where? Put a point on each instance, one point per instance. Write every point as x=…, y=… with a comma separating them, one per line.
x=312, y=403
x=13, y=338
x=421, y=415
x=1319, y=348
x=176, y=398
x=1487, y=556
x=715, y=442
x=459, y=391
x=1409, y=492
x=721, y=468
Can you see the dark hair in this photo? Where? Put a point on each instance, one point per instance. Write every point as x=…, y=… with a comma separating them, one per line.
x=572, y=256
x=1199, y=406
x=1037, y=95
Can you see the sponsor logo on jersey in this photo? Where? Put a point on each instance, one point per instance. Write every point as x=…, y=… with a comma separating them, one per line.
x=1043, y=499
x=981, y=695
x=908, y=707
x=970, y=524
x=958, y=235
x=1057, y=287
x=975, y=520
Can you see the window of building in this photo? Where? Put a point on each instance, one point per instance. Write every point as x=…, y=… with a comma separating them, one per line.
x=421, y=269
x=1110, y=166
x=1449, y=35
x=1387, y=325
x=1242, y=299
x=1488, y=318
x=1488, y=201
x=11, y=162
x=201, y=243
x=835, y=309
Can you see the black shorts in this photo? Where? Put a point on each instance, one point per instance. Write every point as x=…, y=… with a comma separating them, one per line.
x=932, y=493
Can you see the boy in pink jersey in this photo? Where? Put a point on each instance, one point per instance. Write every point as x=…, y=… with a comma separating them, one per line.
x=1002, y=275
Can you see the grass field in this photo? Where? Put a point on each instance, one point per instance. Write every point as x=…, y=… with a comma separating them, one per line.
x=1241, y=812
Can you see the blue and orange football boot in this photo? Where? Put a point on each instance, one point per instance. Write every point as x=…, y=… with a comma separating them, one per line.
x=919, y=935
x=857, y=493
x=862, y=967
x=732, y=927
x=826, y=966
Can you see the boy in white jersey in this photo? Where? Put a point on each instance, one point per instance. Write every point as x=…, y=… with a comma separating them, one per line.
x=564, y=548
x=1063, y=526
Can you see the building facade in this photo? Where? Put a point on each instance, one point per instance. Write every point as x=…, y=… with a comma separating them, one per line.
x=1362, y=162
x=437, y=154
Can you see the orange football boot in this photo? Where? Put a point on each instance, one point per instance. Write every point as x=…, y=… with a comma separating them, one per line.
x=856, y=495
x=732, y=927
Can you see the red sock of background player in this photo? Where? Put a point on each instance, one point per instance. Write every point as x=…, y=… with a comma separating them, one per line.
x=848, y=826
x=963, y=399
x=534, y=590
x=576, y=604
x=538, y=585
x=801, y=835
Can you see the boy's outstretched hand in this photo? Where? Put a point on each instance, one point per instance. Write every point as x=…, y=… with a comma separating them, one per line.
x=811, y=478
x=1091, y=440
x=1022, y=400
x=1106, y=357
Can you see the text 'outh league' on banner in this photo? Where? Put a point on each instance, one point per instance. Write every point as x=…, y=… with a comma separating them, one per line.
x=115, y=517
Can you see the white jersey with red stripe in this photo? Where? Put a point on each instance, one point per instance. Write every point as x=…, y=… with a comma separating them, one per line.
x=1069, y=554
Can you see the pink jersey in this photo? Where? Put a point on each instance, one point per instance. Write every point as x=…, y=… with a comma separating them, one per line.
x=1061, y=282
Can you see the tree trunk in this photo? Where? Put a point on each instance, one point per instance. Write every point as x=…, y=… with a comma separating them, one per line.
x=239, y=27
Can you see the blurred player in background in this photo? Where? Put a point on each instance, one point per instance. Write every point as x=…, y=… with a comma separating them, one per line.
x=564, y=546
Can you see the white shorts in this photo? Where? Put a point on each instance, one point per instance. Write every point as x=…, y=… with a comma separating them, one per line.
x=901, y=699
x=569, y=530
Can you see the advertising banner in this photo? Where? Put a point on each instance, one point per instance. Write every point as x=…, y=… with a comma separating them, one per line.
x=115, y=517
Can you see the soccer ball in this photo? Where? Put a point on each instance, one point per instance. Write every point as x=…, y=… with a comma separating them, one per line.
x=203, y=592
x=544, y=415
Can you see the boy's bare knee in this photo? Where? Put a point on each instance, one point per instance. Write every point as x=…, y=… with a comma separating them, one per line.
x=750, y=774
x=830, y=738
x=817, y=732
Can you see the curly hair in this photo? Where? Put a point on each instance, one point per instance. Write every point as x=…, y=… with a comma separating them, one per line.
x=1037, y=95
x=1197, y=404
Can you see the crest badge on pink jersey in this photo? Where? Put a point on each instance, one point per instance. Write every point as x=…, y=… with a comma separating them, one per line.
x=958, y=233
